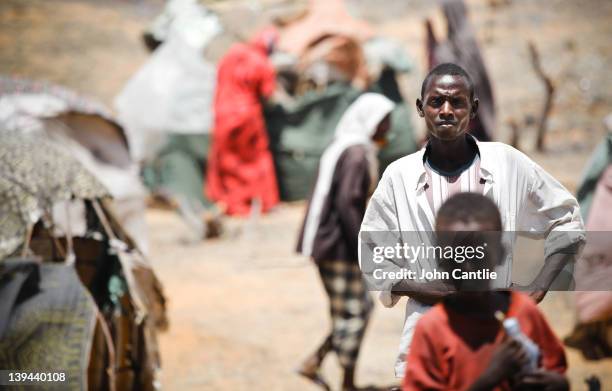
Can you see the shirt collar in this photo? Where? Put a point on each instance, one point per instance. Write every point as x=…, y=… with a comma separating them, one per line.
x=485, y=171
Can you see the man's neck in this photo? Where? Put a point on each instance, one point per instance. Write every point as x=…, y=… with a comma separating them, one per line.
x=450, y=155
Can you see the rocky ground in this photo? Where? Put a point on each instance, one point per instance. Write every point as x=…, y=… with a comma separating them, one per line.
x=244, y=308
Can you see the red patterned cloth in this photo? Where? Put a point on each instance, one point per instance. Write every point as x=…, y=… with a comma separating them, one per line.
x=240, y=167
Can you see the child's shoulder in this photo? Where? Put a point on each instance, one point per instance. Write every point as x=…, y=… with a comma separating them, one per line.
x=435, y=318
x=520, y=302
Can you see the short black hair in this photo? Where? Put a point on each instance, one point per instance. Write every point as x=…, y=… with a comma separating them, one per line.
x=448, y=68
x=466, y=207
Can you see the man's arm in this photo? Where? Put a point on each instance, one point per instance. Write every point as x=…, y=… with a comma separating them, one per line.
x=551, y=269
x=430, y=292
x=552, y=213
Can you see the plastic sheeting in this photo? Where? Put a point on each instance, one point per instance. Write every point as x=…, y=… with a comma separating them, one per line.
x=300, y=133
x=172, y=92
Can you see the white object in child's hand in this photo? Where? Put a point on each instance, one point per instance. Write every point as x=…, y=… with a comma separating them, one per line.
x=513, y=329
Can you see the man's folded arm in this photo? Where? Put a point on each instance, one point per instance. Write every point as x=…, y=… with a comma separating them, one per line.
x=554, y=215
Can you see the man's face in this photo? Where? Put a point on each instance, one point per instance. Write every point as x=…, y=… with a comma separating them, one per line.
x=447, y=107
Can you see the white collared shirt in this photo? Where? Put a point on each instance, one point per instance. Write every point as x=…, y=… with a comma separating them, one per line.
x=529, y=199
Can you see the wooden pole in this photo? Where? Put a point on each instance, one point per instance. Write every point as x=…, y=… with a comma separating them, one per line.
x=550, y=92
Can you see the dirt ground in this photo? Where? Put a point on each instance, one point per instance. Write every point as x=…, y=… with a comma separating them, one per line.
x=245, y=309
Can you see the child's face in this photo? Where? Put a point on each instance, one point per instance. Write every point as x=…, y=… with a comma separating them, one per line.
x=483, y=237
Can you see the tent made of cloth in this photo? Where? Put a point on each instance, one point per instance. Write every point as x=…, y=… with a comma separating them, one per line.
x=54, y=209
x=177, y=177
x=179, y=168
x=299, y=134
x=85, y=129
x=324, y=17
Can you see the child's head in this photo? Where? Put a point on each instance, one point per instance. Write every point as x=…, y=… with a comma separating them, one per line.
x=470, y=223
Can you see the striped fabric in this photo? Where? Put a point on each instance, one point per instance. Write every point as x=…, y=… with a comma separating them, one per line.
x=439, y=187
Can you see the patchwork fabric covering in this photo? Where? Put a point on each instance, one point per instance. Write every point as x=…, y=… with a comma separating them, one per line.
x=35, y=174
x=47, y=320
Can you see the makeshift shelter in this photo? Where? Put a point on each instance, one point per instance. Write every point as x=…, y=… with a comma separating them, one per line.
x=323, y=18
x=88, y=131
x=172, y=92
x=335, y=59
x=167, y=109
x=326, y=43
x=299, y=134
x=176, y=177
x=48, y=320
x=54, y=211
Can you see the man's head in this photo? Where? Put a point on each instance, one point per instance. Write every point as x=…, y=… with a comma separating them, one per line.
x=471, y=220
x=447, y=101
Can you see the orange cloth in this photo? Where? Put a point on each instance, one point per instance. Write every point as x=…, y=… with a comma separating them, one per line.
x=342, y=52
x=240, y=165
x=450, y=351
x=324, y=17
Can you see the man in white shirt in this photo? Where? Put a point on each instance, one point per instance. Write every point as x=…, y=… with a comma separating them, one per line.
x=413, y=188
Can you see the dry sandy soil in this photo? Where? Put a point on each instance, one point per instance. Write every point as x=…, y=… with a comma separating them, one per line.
x=244, y=308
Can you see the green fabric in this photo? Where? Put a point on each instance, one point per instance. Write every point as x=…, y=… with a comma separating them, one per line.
x=299, y=134
x=179, y=168
x=401, y=134
x=117, y=287
x=601, y=158
x=401, y=137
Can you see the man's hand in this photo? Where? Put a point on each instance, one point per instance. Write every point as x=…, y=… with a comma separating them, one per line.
x=536, y=295
x=507, y=362
x=544, y=380
x=428, y=293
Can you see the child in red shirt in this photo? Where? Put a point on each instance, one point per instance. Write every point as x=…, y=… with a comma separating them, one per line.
x=460, y=344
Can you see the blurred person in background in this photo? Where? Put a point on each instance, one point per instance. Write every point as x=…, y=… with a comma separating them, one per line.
x=592, y=333
x=348, y=172
x=241, y=172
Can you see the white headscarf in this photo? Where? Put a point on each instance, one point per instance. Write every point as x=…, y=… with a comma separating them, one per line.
x=356, y=127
